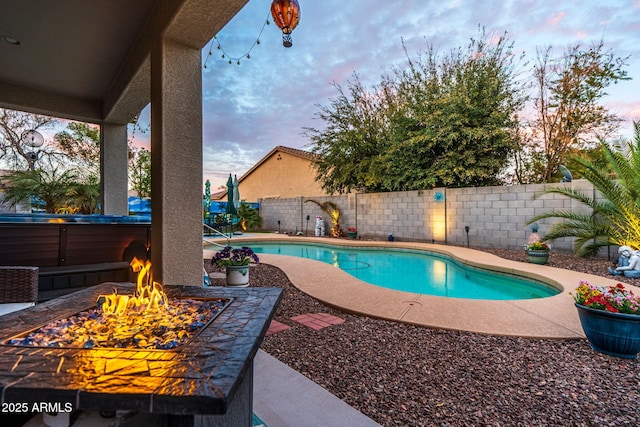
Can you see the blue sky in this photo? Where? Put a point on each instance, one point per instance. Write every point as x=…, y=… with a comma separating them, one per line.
x=268, y=99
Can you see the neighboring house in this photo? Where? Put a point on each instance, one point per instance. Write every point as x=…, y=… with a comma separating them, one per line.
x=283, y=173
x=23, y=207
x=219, y=195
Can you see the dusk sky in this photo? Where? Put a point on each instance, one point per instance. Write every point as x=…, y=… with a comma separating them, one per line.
x=268, y=99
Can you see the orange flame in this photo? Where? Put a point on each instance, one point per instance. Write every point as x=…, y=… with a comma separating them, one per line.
x=148, y=295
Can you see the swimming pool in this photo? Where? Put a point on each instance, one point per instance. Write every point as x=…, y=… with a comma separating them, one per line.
x=413, y=271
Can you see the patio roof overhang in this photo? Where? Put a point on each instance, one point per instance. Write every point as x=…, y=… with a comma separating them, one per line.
x=89, y=61
x=102, y=62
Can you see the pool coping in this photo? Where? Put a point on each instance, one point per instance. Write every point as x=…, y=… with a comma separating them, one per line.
x=551, y=317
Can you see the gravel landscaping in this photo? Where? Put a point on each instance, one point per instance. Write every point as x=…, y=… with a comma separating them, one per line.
x=407, y=375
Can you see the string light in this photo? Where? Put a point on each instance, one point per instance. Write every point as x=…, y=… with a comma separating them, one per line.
x=136, y=126
x=231, y=59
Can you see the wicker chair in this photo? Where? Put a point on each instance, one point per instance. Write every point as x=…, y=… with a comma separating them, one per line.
x=18, y=287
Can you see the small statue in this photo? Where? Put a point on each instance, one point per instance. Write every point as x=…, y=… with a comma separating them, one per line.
x=534, y=236
x=628, y=263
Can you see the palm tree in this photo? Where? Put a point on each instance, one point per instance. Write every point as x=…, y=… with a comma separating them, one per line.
x=250, y=217
x=85, y=196
x=331, y=209
x=51, y=187
x=615, y=219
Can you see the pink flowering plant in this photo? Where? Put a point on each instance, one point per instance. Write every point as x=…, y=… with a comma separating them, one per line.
x=615, y=299
x=241, y=256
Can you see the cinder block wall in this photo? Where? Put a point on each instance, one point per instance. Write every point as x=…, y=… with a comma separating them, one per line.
x=496, y=216
x=292, y=213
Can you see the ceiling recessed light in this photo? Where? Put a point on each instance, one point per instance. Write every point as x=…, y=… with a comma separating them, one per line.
x=10, y=40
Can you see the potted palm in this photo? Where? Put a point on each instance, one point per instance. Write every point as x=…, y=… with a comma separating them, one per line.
x=236, y=263
x=610, y=318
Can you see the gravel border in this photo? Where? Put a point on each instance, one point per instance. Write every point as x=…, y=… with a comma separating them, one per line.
x=408, y=375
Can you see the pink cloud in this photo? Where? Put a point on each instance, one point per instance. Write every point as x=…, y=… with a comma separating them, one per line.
x=557, y=19
x=582, y=35
x=141, y=141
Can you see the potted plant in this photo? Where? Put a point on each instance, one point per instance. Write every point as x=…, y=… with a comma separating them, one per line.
x=610, y=318
x=352, y=232
x=236, y=263
x=538, y=252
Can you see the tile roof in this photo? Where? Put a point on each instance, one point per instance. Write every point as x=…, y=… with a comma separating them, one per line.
x=280, y=148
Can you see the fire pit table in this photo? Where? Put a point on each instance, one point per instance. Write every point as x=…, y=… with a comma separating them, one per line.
x=206, y=381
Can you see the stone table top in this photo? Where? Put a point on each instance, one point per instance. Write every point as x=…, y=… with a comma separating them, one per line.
x=200, y=377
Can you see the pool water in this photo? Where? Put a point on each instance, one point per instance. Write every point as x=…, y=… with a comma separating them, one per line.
x=414, y=271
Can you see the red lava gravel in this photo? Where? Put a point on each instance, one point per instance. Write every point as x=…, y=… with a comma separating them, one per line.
x=407, y=375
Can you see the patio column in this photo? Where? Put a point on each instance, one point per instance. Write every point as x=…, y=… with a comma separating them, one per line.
x=176, y=164
x=114, y=156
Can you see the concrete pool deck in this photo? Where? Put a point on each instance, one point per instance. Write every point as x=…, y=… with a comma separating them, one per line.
x=552, y=317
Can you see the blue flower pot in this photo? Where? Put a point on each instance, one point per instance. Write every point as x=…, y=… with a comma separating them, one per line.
x=615, y=334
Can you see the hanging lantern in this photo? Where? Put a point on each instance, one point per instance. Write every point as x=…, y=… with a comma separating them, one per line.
x=286, y=15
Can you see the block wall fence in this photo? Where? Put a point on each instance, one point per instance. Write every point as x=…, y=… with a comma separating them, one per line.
x=496, y=216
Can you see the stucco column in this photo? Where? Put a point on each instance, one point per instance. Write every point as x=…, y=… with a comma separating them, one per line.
x=176, y=164
x=114, y=179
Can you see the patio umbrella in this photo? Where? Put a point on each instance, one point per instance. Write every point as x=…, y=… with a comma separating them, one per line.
x=207, y=197
x=231, y=209
x=236, y=193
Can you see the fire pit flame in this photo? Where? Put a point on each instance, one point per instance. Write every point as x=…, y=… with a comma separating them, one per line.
x=146, y=319
x=148, y=295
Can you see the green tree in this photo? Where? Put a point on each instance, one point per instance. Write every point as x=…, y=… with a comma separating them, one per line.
x=249, y=216
x=80, y=143
x=455, y=125
x=53, y=188
x=84, y=195
x=443, y=120
x=567, y=104
x=60, y=191
x=15, y=151
x=349, y=146
x=615, y=219
x=140, y=171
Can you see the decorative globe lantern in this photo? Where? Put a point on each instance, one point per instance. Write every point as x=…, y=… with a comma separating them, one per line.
x=286, y=15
